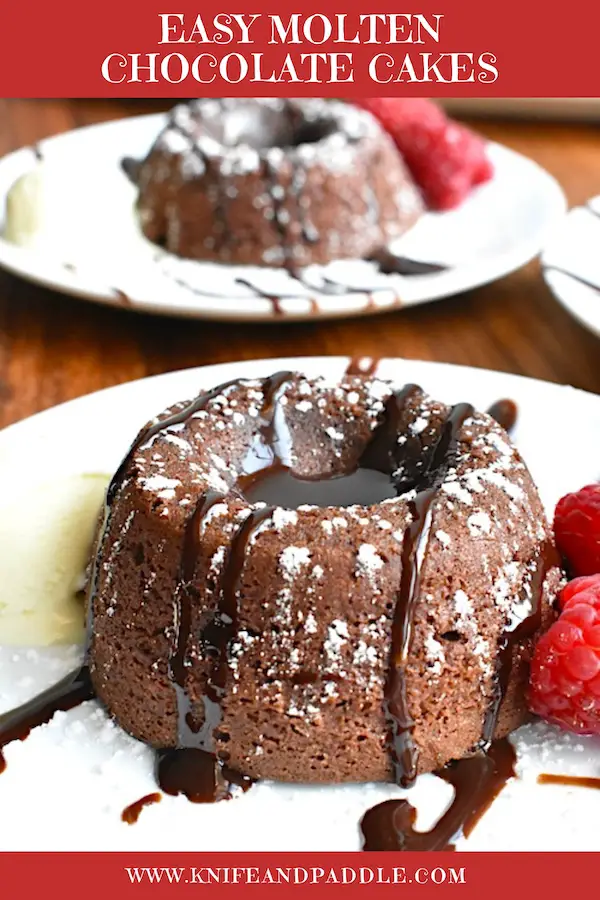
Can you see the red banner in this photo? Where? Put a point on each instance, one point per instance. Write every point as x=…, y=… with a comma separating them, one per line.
x=142, y=48
x=480, y=876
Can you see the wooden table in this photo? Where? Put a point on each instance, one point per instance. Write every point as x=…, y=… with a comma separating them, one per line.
x=54, y=348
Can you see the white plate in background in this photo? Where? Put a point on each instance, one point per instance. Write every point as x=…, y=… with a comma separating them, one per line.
x=571, y=264
x=67, y=784
x=91, y=245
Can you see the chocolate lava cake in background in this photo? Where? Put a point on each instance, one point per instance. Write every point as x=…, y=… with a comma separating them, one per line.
x=264, y=546
x=273, y=182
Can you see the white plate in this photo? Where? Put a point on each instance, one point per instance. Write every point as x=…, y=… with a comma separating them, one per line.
x=91, y=245
x=573, y=248
x=67, y=784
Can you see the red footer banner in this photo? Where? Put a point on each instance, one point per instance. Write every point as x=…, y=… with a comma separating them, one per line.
x=451, y=48
x=470, y=876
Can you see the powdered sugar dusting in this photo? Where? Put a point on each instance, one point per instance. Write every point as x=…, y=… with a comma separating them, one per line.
x=292, y=559
x=368, y=561
x=164, y=488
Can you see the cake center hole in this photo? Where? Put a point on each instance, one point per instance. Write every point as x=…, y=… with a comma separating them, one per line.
x=310, y=132
x=262, y=128
x=277, y=486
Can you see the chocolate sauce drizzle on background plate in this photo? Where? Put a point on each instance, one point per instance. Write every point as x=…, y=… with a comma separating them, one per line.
x=386, y=261
x=193, y=768
x=389, y=263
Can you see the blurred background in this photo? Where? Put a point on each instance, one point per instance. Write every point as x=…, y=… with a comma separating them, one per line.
x=54, y=348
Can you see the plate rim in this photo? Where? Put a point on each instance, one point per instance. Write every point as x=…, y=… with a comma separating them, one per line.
x=286, y=361
x=562, y=296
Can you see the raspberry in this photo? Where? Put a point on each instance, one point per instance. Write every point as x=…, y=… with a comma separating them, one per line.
x=577, y=529
x=446, y=159
x=564, y=685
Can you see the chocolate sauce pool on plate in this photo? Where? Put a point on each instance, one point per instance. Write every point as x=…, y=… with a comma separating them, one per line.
x=477, y=781
x=386, y=468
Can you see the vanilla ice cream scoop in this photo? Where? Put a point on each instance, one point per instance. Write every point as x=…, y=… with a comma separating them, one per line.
x=46, y=536
x=58, y=209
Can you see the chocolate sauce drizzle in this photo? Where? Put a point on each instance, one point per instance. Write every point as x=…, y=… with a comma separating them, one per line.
x=387, y=264
x=327, y=286
x=570, y=781
x=68, y=693
x=478, y=779
x=517, y=635
x=422, y=471
x=274, y=299
x=356, y=367
x=194, y=768
x=131, y=814
x=505, y=412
